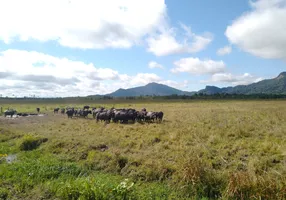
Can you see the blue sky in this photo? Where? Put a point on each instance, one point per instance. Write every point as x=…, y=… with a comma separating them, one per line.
x=83, y=47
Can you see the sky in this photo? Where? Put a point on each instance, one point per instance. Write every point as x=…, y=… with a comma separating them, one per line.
x=60, y=48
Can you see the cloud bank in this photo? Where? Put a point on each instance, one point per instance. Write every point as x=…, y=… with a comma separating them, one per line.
x=25, y=73
x=262, y=31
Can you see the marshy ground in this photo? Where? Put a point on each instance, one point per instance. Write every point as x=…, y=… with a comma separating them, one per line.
x=202, y=149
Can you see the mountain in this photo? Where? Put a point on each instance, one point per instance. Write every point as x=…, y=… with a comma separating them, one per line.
x=149, y=89
x=268, y=86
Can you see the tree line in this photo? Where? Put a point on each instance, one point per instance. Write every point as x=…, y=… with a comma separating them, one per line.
x=169, y=97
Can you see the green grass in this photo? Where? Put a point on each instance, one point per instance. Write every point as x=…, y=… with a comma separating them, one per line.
x=202, y=149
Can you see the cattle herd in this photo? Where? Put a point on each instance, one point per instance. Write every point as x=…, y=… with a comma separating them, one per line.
x=122, y=115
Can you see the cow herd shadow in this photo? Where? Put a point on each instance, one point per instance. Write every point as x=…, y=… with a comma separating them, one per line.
x=121, y=123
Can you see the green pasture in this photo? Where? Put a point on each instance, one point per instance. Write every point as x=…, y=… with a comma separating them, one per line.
x=201, y=150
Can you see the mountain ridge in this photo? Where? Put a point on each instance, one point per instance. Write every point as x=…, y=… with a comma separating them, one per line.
x=152, y=88
x=275, y=85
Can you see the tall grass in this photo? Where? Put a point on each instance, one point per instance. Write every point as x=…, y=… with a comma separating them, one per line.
x=213, y=149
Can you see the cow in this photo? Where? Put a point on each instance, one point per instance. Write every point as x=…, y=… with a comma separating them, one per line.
x=38, y=110
x=63, y=111
x=84, y=113
x=86, y=107
x=124, y=115
x=141, y=115
x=75, y=112
x=104, y=115
x=10, y=112
x=159, y=116
x=70, y=112
x=56, y=110
x=150, y=116
x=95, y=111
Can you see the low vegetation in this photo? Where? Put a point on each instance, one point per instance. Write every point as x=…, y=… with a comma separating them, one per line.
x=30, y=142
x=201, y=150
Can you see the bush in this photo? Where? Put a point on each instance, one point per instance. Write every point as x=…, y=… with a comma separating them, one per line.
x=91, y=188
x=30, y=142
x=199, y=180
x=4, y=193
x=247, y=186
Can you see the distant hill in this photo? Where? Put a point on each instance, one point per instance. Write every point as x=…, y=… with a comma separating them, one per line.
x=149, y=89
x=268, y=86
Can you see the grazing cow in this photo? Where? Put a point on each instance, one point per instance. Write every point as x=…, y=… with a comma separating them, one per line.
x=150, y=116
x=56, y=110
x=70, y=112
x=84, y=113
x=63, y=111
x=159, y=116
x=38, y=110
x=124, y=115
x=86, y=107
x=10, y=112
x=141, y=115
x=75, y=112
x=95, y=111
x=79, y=112
x=104, y=115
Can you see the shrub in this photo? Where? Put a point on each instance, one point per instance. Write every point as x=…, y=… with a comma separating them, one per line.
x=247, y=186
x=30, y=142
x=199, y=180
x=4, y=193
x=91, y=188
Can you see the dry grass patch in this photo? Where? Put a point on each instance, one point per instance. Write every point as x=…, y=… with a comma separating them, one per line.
x=229, y=149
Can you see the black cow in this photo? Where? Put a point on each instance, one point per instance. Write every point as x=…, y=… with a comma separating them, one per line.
x=86, y=107
x=70, y=113
x=150, y=116
x=124, y=115
x=95, y=111
x=38, y=110
x=141, y=115
x=159, y=116
x=79, y=112
x=84, y=113
x=75, y=112
x=104, y=115
x=10, y=112
x=56, y=110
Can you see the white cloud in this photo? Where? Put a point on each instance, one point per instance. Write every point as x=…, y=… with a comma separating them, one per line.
x=97, y=24
x=154, y=64
x=143, y=79
x=224, y=50
x=243, y=79
x=139, y=80
x=262, y=31
x=86, y=24
x=197, y=66
x=25, y=73
x=179, y=85
x=166, y=43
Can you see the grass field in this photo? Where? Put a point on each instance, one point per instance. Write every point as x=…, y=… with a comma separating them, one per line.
x=201, y=150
